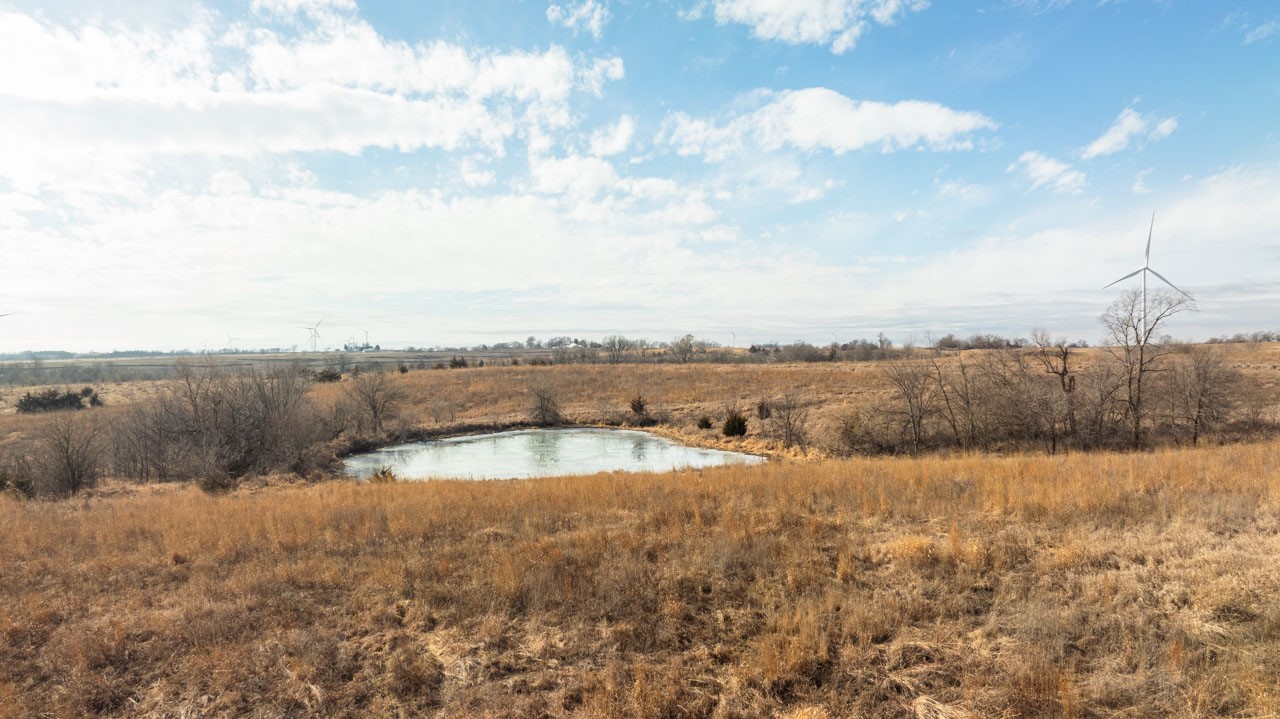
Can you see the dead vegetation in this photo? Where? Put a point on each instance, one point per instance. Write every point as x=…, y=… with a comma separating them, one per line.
x=1096, y=585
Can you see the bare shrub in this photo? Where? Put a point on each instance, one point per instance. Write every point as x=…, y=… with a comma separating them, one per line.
x=1198, y=392
x=442, y=411
x=211, y=420
x=764, y=409
x=544, y=406
x=788, y=422
x=862, y=431
x=67, y=456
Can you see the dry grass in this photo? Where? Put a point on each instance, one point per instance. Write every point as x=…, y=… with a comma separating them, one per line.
x=1083, y=586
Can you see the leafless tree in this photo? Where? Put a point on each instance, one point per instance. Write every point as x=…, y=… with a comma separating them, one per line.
x=958, y=397
x=1026, y=406
x=681, y=349
x=544, y=405
x=788, y=420
x=68, y=455
x=1132, y=331
x=215, y=421
x=377, y=396
x=1055, y=356
x=617, y=347
x=1199, y=390
x=915, y=392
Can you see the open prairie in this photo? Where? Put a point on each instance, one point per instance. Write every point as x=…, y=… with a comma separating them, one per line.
x=955, y=583
x=443, y=401
x=1090, y=585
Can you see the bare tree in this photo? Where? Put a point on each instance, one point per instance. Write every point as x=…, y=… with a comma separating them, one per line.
x=214, y=421
x=956, y=392
x=1131, y=328
x=681, y=349
x=1055, y=356
x=617, y=347
x=917, y=396
x=1200, y=390
x=1027, y=405
x=377, y=396
x=68, y=455
x=788, y=420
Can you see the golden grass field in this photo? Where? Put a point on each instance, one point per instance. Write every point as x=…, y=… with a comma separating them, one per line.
x=1104, y=585
x=1080, y=585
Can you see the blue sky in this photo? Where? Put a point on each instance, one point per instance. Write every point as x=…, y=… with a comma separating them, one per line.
x=177, y=174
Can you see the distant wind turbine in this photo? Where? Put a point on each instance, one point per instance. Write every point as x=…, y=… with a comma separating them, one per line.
x=315, y=333
x=1143, y=270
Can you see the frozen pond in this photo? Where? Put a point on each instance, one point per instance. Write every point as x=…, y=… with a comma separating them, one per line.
x=539, y=453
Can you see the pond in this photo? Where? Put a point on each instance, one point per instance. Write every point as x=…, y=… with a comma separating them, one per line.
x=539, y=453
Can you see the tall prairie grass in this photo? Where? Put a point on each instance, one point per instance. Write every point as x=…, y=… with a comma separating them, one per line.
x=1098, y=585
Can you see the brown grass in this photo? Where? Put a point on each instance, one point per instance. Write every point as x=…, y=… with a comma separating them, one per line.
x=1084, y=586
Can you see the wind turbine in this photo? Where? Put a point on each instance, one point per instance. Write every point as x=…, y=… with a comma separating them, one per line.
x=1143, y=270
x=231, y=342
x=315, y=333
x=366, y=339
x=8, y=313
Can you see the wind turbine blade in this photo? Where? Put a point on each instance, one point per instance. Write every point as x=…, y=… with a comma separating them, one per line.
x=1167, y=282
x=1149, y=231
x=1131, y=274
x=8, y=313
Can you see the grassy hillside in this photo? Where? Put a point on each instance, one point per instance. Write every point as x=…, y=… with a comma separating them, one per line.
x=1102, y=585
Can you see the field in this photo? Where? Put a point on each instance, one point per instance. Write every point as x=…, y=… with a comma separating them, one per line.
x=1090, y=585
x=1097, y=584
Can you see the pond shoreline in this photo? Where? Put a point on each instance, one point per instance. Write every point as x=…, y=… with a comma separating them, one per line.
x=531, y=452
x=471, y=429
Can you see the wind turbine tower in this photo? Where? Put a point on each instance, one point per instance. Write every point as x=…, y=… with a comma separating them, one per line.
x=1143, y=270
x=314, y=335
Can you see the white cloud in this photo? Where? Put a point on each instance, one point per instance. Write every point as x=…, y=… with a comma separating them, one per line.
x=1163, y=129
x=1262, y=32
x=43, y=61
x=1128, y=125
x=593, y=77
x=1140, y=183
x=582, y=265
x=963, y=191
x=307, y=7
x=227, y=182
x=822, y=119
x=587, y=15
x=1049, y=173
x=108, y=97
x=614, y=139
x=838, y=23
x=583, y=177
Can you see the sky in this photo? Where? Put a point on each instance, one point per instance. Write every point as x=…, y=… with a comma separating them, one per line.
x=180, y=174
